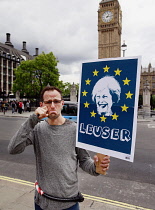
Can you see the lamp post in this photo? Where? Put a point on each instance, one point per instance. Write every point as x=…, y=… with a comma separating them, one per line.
x=124, y=48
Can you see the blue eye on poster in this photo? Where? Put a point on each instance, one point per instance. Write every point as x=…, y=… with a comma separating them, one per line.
x=108, y=103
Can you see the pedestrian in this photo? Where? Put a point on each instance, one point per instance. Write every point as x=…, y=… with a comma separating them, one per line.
x=23, y=107
x=57, y=158
x=16, y=109
x=20, y=106
x=13, y=105
x=5, y=106
x=1, y=106
x=28, y=106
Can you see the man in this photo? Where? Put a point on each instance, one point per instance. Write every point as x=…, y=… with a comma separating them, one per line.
x=13, y=105
x=28, y=109
x=20, y=106
x=105, y=93
x=57, y=158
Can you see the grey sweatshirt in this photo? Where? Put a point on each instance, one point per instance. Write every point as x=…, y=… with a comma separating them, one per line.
x=57, y=159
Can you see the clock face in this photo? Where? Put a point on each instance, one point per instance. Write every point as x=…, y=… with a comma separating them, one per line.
x=107, y=16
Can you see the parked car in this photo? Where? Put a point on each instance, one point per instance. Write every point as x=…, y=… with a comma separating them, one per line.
x=69, y=110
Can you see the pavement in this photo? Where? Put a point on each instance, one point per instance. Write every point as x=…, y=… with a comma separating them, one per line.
x=16, y=194
x=15, y=114
x=141, y=118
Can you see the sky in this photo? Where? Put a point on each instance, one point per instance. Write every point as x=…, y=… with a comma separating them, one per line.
x=69, y=30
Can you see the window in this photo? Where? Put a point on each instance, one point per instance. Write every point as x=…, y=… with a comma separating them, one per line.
x=153, y=85
x=69, y=108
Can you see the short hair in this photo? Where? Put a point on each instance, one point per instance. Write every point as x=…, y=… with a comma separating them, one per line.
x=107, y=82
x=48, y=88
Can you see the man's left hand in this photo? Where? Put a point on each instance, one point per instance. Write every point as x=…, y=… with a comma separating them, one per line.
x=104, y=162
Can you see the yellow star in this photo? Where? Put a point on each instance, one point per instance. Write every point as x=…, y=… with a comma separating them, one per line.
x=95, y=73
x=114, y=116
x=106, y=69
x=86, y=105
x=124, y=108
x=93, y=113
x=84, y=93
x=117, y=72
x=103, y=118
x=126, y=81
x=88, y=81
x=129, y=95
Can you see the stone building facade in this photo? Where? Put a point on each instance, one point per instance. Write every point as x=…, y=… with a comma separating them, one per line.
x=10, y=58
x=147, y=75
x=109, y=29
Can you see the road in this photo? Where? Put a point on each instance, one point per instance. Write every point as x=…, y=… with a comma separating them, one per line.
x=132, y=183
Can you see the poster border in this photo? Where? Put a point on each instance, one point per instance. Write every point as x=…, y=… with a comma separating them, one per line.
x=109, y=152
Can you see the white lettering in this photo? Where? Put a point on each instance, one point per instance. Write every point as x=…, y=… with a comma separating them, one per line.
x=125, y=135
x=97, y=131
x=82, y=129
x=105, y=132
x=89, y=129
x=114, y=134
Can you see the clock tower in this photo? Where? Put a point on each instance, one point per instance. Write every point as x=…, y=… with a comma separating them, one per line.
x=109, y=29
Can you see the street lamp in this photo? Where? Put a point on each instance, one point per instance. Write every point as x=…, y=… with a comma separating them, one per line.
x=124, y=47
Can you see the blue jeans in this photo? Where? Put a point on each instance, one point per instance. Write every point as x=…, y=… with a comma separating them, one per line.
x=75, y=207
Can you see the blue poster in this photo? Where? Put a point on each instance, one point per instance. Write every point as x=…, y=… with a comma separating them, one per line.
x=108, y=103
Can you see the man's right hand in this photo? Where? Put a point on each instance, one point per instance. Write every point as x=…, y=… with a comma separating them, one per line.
x=41, y=112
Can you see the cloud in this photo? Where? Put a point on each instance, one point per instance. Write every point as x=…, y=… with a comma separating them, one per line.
x=137, y=28
x=69, y=29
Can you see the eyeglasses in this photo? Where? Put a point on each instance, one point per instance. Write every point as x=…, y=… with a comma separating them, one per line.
x=56, y=101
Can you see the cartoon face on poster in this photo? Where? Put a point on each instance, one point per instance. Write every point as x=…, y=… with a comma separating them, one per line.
x=108, y=101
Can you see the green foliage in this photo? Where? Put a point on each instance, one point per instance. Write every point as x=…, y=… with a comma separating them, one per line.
x=67, y=87
x=152, y=102
x=33, y=75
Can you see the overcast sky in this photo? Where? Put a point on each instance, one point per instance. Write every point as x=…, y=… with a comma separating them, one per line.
x=69, y=29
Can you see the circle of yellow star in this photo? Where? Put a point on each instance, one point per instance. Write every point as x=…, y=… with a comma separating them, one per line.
x=86, y=105
x=106, y=69
x=126, y=81
x=84, y=93
x=95, y=73
x=103, y=118
x=93, y=113
x=124, y=108
x=88, y=81
x=118, y=72
x=129, y=95
x=114, y=116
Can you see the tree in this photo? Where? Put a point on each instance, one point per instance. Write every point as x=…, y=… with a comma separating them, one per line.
x=33, y=75
x=67, y=88
x=152, y=102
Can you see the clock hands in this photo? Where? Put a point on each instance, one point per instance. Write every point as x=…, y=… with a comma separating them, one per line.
x=107, y=16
